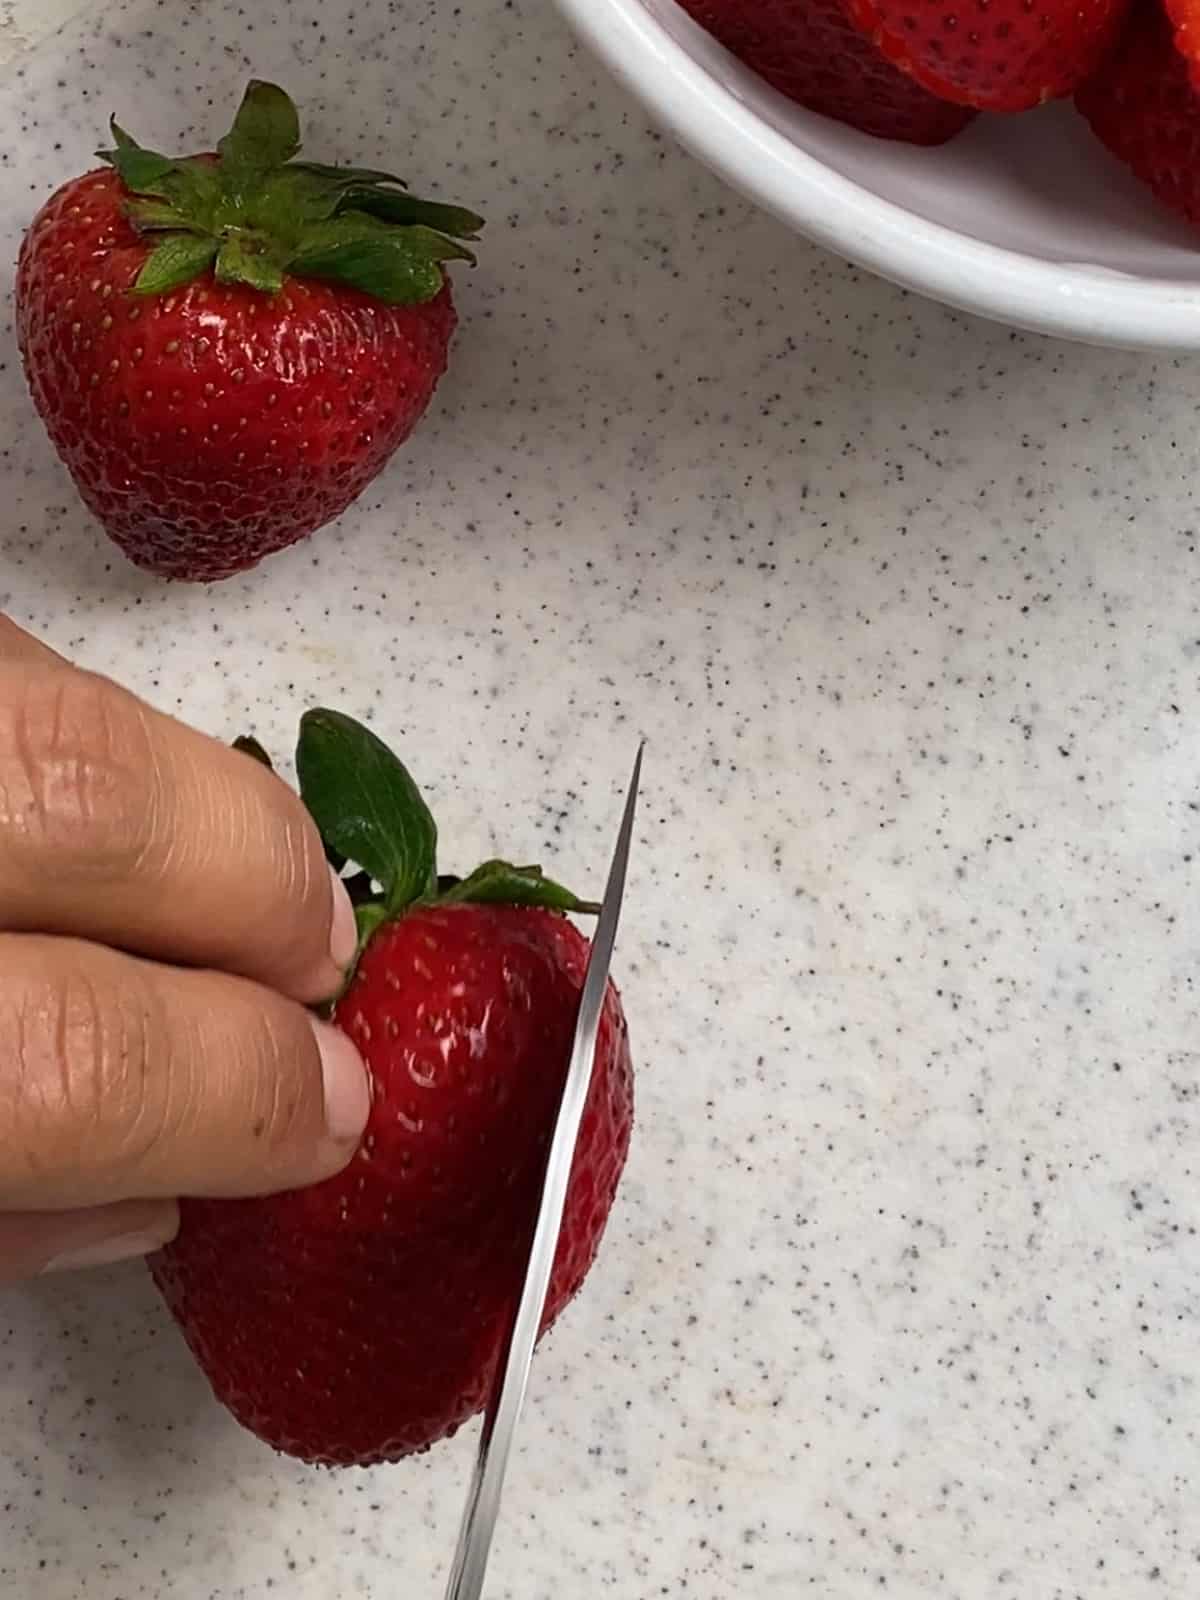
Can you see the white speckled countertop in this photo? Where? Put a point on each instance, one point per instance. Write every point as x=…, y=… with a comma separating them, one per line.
x=902, y=1295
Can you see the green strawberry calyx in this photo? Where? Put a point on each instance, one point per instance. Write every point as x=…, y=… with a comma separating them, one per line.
x=255, y=215
x=373, y=820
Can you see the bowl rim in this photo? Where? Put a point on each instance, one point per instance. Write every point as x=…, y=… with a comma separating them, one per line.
x=1070, y=300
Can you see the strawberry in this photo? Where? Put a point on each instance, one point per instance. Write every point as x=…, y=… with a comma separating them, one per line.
x=1143, y=106
x=360, y=1320
x=811, y=51
x=906, y=71
x=226, y=349
x=993, y=55
x=1185, y=15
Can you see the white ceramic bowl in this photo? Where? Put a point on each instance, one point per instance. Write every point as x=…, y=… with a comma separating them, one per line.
x=1023, y=219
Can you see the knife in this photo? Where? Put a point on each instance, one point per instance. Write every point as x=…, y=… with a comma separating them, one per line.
x=516, y=1356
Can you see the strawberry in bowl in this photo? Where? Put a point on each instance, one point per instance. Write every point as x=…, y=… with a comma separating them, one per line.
x=941, y=146
x=916, y=72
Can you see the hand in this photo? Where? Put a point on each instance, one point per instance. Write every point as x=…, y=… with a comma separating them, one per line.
x=165, y=914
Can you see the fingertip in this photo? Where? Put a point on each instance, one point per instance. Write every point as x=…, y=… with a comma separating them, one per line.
x=336, y=948
x=347, y=1090
x=97, y=1237
x=343, y=934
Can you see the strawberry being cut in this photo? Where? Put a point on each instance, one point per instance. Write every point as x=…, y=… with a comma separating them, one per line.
x=1144, y=107
x=360, y=1320
x=226, y=349
x=812, y=52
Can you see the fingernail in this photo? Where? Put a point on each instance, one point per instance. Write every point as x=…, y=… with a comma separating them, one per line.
x=343, y=936
x=118, y=1247
x=347, y=1087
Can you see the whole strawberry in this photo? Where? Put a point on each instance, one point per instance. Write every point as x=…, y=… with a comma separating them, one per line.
x=1145, y=107
x=811, y=51
x=227, y=349
x=360, y=1320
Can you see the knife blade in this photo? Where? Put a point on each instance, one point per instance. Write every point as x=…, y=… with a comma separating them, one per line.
x=516, y=1356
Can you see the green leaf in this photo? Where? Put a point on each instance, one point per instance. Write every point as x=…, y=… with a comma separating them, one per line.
x=365, y=175
x=154, y=216
x=431, y=245
x=138, y=169
x=257, y=213
x=177, y=260
x=249, y=746
x=194, y=186
x=286, y=204
x=401, y=266
x=293, y=199
x=185, y=196
x=401, y=209
x=500, y=883
x=265, y=132
x=366, y=805
x=248, y=258
x=366, y=255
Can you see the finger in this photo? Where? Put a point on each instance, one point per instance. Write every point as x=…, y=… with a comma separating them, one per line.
x=17, y=645
x=121, y=825
x=33, y=1242
x=123, y=1079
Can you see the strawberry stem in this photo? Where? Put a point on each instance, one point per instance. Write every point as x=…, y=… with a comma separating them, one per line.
x=372, y=818
x=254, y=215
